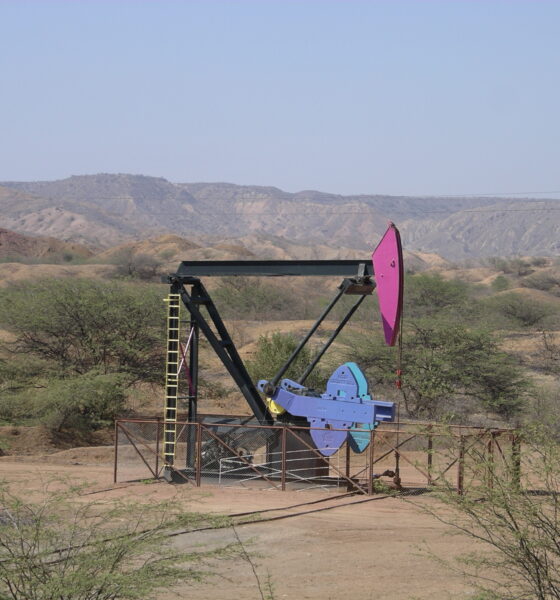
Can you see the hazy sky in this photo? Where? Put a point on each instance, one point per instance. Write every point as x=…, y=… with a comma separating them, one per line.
x=345, y=96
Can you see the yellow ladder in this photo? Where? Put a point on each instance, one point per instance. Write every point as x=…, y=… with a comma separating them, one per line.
x=171, y=378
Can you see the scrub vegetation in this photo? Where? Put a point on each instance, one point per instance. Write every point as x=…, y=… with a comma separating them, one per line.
x=59, y=547
x=75, y=348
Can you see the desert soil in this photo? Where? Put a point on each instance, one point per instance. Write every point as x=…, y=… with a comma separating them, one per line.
x=370, y=550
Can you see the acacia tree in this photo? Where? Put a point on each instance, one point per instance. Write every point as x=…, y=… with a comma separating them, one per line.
x=443, y=362
x=428, y=294
x=520, y=311
x=77, y=346
x=517, y=530
x=81, y=325
x=136, y=265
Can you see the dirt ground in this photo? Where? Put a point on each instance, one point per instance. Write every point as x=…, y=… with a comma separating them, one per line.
x=363, y=550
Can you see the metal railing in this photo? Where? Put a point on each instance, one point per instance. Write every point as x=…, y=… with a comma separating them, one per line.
x=399, y=455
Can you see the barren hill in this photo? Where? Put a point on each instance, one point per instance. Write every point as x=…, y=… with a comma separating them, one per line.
x=17, y=245
x=171, y=249
x=105, y=210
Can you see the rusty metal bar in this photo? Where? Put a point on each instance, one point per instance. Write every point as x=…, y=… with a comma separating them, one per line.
x=347, y=465
x=130, y=435
x=398, y=457
x=497, y=443
x=477, y=437
x=115, y=467
x=461, y=467
x=490, y=462
x=198, y=453
x=157, y=447
x=390, y=451
x=492, y=447
x=430, y=458
x=138, y=451
x=382, y=428
x=397, y=478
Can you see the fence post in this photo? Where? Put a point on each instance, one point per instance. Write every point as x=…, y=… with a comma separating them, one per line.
x=283, y=459
x=461, y=466
x=516, y=460
x=430, y=455
x=157, y=446
x=490, y=461
x=370, y=470
x=116, y=451
x=198, y=453
x=347, y=469
x=397, y=478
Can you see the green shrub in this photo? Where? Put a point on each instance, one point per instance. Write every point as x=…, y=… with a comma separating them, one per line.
x=273, y=351
x=515, y=533
x=82, y=403
x=80, y=325
x=547, y=282
x=518, y=310
x=252, y=298
x=511, y=266
x=132, y=265
x=500, y=284
x=429, y=294
x=444, y=364
x=64, y=549
x=85, y=403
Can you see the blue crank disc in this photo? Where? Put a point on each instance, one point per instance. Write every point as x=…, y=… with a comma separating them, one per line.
x=359, y=440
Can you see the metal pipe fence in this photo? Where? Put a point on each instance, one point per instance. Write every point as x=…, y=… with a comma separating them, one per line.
x=413, y=456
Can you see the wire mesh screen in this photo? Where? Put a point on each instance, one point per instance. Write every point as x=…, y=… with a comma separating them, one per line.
x=237, y=455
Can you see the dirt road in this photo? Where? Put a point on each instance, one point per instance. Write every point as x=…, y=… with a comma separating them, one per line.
x=369, y=550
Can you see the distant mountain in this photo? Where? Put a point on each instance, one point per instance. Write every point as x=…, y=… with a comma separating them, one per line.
x=503, y=228
x=106, y=210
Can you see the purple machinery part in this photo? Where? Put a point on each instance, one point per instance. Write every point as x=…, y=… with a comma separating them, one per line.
x=388, y=268
x=333, y=413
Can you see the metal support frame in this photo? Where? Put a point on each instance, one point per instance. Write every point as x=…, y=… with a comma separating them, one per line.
x=275, y=268
x=360, y=286
x=358, y=281
x=193, y=392
x=221, y=342
x=328, y=343
x=275, y=380
x=461, y=466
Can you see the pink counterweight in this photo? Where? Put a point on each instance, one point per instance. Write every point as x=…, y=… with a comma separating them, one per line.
x=388, y=270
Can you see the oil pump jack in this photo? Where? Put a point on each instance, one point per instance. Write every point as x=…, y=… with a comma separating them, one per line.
x=345, y=410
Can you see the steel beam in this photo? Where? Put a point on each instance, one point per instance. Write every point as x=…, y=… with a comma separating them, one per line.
x=275, y=268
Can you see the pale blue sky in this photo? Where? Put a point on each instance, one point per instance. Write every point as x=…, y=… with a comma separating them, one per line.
x=347, y=96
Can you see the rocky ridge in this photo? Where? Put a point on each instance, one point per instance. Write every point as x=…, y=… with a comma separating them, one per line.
x=105, y=210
